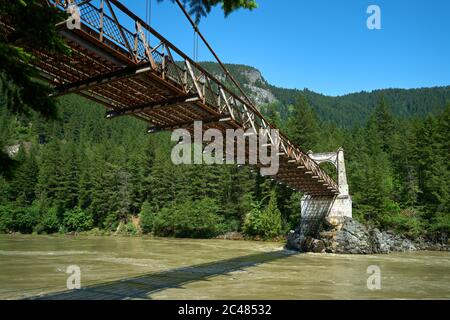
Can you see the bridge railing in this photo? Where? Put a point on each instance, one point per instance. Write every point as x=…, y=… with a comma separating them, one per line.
x=146, y=45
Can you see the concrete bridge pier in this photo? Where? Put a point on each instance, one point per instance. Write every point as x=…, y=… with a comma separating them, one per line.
x=342, y=204
x=315, y=209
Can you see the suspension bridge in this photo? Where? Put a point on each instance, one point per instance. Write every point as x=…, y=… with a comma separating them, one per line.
x=135, y=71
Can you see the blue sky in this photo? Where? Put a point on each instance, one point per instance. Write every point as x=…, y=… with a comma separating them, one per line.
x=323, y=45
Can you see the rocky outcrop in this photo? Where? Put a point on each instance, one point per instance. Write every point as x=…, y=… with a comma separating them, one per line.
x=349, y=236
x=250, y=79
x=260, y=93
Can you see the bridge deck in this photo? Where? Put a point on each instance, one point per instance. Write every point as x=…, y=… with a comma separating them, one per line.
x=140, y=73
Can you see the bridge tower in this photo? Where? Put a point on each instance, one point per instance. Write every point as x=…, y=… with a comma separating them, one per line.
x=342, y=205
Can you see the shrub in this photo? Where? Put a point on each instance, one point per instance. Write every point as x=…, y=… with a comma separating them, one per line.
x=267, y=223
x=77, y=220
x=111, y=222
x=26, y=219
x=130, y=229
x=50, y=222
x=21, y=219
x=229, y=224
x=197, y=219
x=147, y=218
x=6, y=218
x=127, y=229
x=407, y=222
x=390, y=207
x=440, y=225
x=252, y=223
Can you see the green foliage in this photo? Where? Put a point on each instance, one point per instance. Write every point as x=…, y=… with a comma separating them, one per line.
x=264, y=223
x=96, y=232
x=102, y=168
x=19, y=89
x=292, y=210
x=23, y=16
x=441, y=225
x=49, y=220
x=353, y=110
x=197, y=219
x=131, y=229
x=6, y=218
x=147, y=217
x=302, y=127
x=200, y=8
x=252, y=224
x=18, y=219
x=271, y=112
x=407, y=222
x=77, y=220
x=25, y=219
x=128, y=229
x=23, y=182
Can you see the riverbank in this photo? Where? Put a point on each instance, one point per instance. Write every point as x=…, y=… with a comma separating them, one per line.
x=340, y=236
x=348, y=236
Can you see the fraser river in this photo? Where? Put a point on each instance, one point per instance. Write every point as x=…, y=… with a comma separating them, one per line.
x=164, y=268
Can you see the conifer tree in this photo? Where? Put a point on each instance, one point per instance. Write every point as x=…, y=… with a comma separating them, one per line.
x=24, y=179
x=302, y=126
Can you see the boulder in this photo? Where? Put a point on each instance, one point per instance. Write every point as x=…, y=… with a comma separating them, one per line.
x=294, y=241
x=317, y=246
x=345, y=235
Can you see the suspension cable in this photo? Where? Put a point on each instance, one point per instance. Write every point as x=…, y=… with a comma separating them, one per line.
x=195, y=56
x=146, y=11
x=150, y=9
x=148, y=17
x=227, y=73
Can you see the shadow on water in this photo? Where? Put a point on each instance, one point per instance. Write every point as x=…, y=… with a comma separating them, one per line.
x=141, y=287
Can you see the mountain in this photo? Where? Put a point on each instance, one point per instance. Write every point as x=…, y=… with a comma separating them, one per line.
x=349, y=110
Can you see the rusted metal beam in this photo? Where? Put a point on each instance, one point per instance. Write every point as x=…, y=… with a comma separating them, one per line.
x=152, y=105
x=187, y=124
x=100, y=79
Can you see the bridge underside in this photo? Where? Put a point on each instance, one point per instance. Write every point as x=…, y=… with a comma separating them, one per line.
x=159, y=84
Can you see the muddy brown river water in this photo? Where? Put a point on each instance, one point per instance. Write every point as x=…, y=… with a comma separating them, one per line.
x=163, y=268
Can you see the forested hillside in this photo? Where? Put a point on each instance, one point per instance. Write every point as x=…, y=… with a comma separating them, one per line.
x=354, y=110
x=82, y=171
x=351, y=110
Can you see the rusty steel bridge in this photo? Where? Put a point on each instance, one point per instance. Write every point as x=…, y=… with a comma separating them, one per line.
x=140, y=73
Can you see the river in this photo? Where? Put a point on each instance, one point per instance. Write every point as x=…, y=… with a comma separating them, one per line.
x=165, y=268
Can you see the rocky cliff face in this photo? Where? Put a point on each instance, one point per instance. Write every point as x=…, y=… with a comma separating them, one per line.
x=258, y=87
x=350, y=236
x=249, y=78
